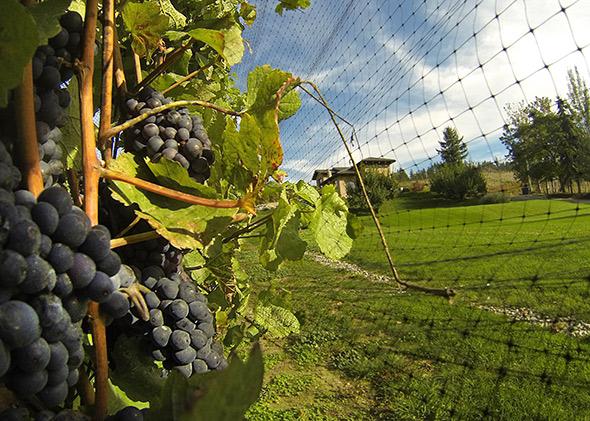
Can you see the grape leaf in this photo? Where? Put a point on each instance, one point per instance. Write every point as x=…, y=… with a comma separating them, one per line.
x=219, y=395
x=281, y=240
x=146, y=24
x=19, y=38
x=47, y=15
x=277, y=321
x=329, y=224
x=184, y=225
x=248, y=12
x=118, y=400
x=71, y=142
x=177, y=18
x=171, y=174
x=134, y=371
x=291, y=5
x=289, y=105
x=227, y=42
x=233, y=49
x=307, y=192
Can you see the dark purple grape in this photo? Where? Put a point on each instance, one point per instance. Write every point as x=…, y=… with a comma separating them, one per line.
x=63, y=285
x=185, y=356
x=198, y=339
x=25, y=197
x=200, y=366
x=185, y=370
x=82, y=271
x=13, y=268
x=160, y=335
x=97, y=244
x=53, y=396
x=72, y=21
x=182, y=135
x=33, y=357
x=61, y=257
x=40, y=276
x=117, y=305
x=177, y=310
x=60, y=40
x=19, y=324
x=152, y=300
x=110, y=265
x=49, y=79
x=58, y=356
x=58, y=375
x=25, y=384
x=25, y=238
x=182, y=161
x=58, y=197
x=45, y=216
x=100, y=288
x=180, y=340
x=150, y=130
x=156, y=317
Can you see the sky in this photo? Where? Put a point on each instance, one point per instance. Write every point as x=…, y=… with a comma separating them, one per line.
x=401, y=71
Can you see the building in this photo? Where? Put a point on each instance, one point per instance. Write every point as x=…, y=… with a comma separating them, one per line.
x=344, y=178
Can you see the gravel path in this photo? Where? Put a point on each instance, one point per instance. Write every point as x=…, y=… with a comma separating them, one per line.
x=567, y=325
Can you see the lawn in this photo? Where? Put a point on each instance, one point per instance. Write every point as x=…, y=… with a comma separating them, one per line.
x=367, y=351
x=532, y=254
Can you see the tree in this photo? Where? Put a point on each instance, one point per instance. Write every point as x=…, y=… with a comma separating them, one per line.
x=529, y=138
x=452, y=148
x=547, y=142
x=379, y=187
x=579, y=97
x=457, y=181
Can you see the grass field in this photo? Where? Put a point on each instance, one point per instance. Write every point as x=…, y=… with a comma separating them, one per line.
x=367, y=351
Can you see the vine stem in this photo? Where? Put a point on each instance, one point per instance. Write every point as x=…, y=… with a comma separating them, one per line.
x=108, y=45
x=28, y=146
x=171, y=193
x=120, y=79
x=133, y=239
x=91, y=177
x=137, y=66
x=186, y=78
x=113, y=131
x=170, y=60
x=443, y=292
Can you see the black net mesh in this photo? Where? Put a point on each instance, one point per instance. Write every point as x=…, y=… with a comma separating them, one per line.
x=513, y=343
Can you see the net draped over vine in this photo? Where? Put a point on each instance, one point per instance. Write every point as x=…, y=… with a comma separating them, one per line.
x=401, y=72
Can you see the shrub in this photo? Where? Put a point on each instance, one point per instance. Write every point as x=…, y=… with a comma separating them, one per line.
x=379, y=187
x=497, y=197
x=457, y=181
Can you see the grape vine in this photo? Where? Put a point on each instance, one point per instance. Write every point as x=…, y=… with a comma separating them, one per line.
x=169, y=188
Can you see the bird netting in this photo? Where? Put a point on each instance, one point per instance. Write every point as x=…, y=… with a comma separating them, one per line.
x=471, y=123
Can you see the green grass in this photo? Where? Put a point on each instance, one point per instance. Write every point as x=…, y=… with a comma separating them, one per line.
x=532, y=253
x=366, y=351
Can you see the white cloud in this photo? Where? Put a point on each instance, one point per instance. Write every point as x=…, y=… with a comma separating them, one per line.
x=400, y=89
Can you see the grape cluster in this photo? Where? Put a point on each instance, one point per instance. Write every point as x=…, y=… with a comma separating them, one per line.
x=172, y=134
x=51, y=263
x=181, y=327
x=50, y=69
x=156, y=253
x=23, y=414
x=129, y=413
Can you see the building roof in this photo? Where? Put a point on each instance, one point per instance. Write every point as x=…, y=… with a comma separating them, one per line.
x=377, y=161
x=341, y=171
x=317, y=173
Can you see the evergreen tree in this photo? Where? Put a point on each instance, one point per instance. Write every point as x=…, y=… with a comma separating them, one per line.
x=452, y=149
x=579, y=97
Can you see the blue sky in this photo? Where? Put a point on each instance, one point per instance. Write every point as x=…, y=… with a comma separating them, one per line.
x=401, y=71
